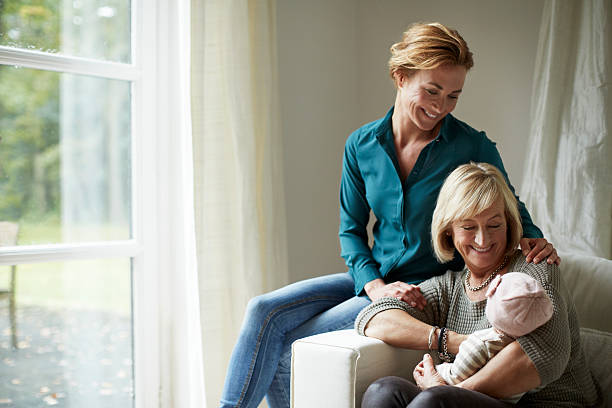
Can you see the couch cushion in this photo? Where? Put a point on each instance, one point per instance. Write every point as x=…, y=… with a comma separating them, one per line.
x=597, y=348
x=589, y=280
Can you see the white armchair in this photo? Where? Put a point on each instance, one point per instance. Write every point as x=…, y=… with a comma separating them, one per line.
x=334, y=369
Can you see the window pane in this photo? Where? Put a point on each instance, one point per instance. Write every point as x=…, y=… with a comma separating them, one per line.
x=64, y=156
x=97, y=29
x=73, y=345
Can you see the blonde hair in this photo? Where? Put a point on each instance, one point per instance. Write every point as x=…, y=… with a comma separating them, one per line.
x=428, y=46
x=468, y=191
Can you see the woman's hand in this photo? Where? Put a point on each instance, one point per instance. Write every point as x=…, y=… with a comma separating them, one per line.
x=537, y=249
x=425, y=374
x=410, y=294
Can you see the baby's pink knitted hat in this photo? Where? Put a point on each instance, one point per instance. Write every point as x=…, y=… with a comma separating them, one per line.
x=517, y=304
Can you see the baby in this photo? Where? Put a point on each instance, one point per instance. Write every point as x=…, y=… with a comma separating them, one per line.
x=516, y=305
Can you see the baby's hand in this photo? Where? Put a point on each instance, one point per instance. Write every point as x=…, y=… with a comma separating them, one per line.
x=425, y=374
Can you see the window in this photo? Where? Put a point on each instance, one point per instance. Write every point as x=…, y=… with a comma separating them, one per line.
x=73, y=75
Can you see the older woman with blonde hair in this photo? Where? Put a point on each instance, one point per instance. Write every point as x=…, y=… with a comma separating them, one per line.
x=476, y=218
x=394, y=168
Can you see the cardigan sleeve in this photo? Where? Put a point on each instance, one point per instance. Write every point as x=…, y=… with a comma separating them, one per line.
x=549, y=346
x=433, y=289
x=374, y=308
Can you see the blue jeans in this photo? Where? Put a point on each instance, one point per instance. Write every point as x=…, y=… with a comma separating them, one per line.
x=261, y=361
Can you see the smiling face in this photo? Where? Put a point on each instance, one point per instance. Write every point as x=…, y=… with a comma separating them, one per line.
x=481, y=240
x=427, y=96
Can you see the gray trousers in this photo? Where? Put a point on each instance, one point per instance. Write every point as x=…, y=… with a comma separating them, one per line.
x=396, y=392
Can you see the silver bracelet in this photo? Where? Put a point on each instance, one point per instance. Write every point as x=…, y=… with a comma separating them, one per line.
x=430, y=339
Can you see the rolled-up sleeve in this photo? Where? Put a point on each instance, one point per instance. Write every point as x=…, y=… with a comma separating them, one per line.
x=354, y=216
x=433, y=313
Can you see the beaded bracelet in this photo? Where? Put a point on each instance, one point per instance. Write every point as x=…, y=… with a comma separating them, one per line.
x=442, y=348
x=430, y=339
x=440, y=337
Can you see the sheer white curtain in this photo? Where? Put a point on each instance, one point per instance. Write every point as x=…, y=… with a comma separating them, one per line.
x=567, y=182
x=240, y=216
x=180, y=349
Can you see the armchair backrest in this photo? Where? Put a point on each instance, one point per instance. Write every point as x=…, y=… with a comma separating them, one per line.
x=589, y=281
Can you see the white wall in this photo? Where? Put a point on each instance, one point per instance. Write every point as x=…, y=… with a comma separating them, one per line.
x=503, y=37
x=317, y=55
x=333, y=78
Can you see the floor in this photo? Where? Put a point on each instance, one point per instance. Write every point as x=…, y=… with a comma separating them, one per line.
x=65, y=358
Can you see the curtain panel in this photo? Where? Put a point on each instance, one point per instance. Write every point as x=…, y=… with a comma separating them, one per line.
x=567, y=183
x=239, y=195
x=181, y=374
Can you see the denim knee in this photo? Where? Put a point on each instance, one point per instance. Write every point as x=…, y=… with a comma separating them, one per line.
x=259, y=308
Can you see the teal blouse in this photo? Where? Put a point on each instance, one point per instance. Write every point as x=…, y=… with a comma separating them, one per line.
x=402, y=248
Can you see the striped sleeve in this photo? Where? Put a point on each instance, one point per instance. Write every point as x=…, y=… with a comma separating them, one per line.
x=472, y=357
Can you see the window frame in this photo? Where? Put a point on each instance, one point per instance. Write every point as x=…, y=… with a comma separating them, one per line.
x=143, y=246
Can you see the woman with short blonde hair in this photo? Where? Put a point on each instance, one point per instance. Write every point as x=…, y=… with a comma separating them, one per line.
x=476, y=217
x=428, y=46
x=468, y=191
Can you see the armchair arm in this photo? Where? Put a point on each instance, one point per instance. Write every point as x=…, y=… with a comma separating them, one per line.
x=334, y=369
